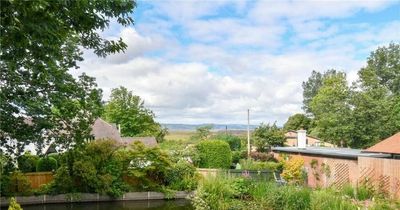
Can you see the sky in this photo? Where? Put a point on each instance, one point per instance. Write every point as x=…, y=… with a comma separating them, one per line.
x=209, y=61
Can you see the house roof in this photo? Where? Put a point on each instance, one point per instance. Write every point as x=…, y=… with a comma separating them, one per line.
x=104, y=130
x=390, y=145
x=147, y=141
x=345, y=153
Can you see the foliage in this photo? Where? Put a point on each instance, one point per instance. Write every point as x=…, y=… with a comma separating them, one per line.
x=297, y=122
x=14, y=205
x=213, y=193
x=312, y=86
x=46, y=164
x=182, y=176
x=328, y=199
x=262, y=156
x=267, y=136
x=202, y=133
x=249, y=164
x=233, y=141
x=342, y=114
x=293, y=170
x=93, y=168
x=15, y=183
x=145, y=168
x=128, y=111
x=332, y=111
x=236, y=156
x=214, y=154
x=27, y=162
x=40, y=42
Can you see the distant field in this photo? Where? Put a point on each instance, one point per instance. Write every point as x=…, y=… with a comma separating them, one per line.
x=179, y=135
x=185, y=135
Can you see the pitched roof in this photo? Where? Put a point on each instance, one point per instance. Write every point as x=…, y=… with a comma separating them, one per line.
x=147, y=141
x=104, y=130
x=390, y=145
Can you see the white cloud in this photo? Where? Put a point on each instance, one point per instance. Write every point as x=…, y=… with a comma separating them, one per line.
x=192, y=66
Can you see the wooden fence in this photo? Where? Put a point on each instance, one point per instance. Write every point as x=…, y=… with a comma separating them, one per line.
x=263, y=175
x=383, y=174
x=38, y=179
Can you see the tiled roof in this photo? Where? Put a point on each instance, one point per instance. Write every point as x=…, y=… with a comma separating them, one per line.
x=390, y=145
x=104, y=130
x=147, y=141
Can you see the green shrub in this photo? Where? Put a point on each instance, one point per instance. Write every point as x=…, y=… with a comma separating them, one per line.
x=289, y=198
x=15, y=183
x=46, y=164
x=213, y=193
x=232, y=140
x=14, y=205
x=249, y=164
x=236, y=156
x=183, y=176
x=214, y=154
x=27, y=162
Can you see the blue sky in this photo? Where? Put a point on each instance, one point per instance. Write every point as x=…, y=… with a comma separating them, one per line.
x=209, y=61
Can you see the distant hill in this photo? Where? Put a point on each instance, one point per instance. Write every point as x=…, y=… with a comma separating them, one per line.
x=216, y=127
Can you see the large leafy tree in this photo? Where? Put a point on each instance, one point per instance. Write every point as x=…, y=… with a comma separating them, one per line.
x=312, y=86
x=296, y=122
x=128, y=111
x=332, y=110
x=376, y=97
x=40, y=42
x=266, y=136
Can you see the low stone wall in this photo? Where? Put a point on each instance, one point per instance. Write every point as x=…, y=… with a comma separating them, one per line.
x=90, y=197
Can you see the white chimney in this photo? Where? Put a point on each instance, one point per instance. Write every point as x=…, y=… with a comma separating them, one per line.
x=301, y=139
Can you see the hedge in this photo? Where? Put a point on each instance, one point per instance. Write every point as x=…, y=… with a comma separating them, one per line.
x=214, y=154
x=46, y=164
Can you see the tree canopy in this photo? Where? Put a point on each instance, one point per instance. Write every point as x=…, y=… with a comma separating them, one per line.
x=128, y=111
x=41, y=41
x=296, y=122
x=362, y=114
x=266, y=136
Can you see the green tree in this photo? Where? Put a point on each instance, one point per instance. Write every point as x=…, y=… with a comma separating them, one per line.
x=202, y=133
x=332, y=110
x=128, y=111
x=312, y=86
x=40, y=42
x=375, y=97
x=266, y=136
x=296, y=122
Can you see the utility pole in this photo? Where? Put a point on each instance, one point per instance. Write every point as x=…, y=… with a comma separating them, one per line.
x=248, y=133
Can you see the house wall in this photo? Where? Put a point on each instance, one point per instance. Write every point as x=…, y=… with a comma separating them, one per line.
x=326, y=171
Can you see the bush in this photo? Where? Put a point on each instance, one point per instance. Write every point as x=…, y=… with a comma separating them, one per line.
x=213, y=193
x=27, y=162
x=249, y=164
x=46, y=164
x=236, y=156
x=214, y=154
x=262, y=156
x=15, y=183
x=183, y=176
x=14, y=205
x=293, y=170
x=233, y=141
